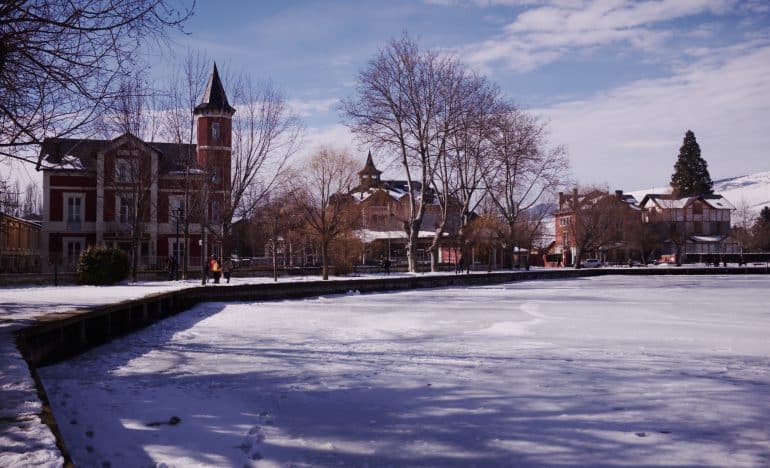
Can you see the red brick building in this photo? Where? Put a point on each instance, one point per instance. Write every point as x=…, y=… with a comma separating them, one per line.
x=612, y=245
x=384, y=206
x=138, y=196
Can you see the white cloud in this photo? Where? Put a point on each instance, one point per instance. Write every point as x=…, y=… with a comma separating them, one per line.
x=551, y=30
x=309, y=107
x=335, y=135
x=630, y=136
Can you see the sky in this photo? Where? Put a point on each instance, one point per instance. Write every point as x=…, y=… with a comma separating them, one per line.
x=619, y=82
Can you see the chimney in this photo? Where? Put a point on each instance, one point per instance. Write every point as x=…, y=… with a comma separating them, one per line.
x=561, y=199
x=575, y=198
x=619, y=194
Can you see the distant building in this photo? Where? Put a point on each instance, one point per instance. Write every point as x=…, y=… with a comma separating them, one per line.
x=384, y=207
x=614, y=245
x=673, y=225
x=90, y=190
x=19, y=244
x=691, y=225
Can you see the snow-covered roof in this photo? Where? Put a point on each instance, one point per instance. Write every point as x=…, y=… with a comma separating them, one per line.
x=670, y=203
x=719, y=202
x=708, y=239
x=665, y=201
x=393, y=194
x=70, y=163
x=368, y=235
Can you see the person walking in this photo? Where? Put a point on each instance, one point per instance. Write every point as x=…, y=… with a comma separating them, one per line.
x=171, y=268
x=386, y=264
x=215, y=269
x=459, y=266
x=227, y=268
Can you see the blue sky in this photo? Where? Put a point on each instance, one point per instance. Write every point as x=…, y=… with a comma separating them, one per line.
x=619, y=81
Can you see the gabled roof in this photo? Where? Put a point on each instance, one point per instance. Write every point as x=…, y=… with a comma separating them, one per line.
x=77, y=154
x=214, y=98
x=668, y=201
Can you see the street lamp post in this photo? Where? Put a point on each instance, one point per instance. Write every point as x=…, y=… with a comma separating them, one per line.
x=177, y=215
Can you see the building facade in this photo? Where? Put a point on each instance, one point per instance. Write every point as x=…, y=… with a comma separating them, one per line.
x=153, y=200
x=597, y=222
x=384, y=206
x=690, y=225
x=660, y=227
x=19, y=244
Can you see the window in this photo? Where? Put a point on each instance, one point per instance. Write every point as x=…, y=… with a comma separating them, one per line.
x=74, y=208
x=216, y=213
x=176, y=209
x=215, y=132
x=565, y=221
x=72, y=249
x=125, y=170
x=565, y=240
x=125, y=209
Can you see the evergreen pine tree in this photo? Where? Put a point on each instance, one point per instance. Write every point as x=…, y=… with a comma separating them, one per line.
x=691, y=174
x=764, y=215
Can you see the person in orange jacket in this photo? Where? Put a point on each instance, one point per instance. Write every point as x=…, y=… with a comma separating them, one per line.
x=215, y=269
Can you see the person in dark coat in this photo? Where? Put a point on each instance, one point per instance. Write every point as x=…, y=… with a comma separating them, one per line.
x=172, y=268
x=227, y=268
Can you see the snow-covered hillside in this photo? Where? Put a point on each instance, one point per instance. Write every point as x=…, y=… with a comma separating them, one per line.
x=752, y=191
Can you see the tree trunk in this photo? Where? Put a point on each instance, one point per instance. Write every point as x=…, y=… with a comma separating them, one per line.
x=411, y=251
x=134, y=261
x=325, y=259
x=434, y=259
x=275, y=264
x=678, y=255
x=578, y=255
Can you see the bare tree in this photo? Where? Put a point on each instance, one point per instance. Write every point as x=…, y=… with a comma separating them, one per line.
x=596, y=219
x=668, y=215
x=266, y=133
x=318, y=191
x=277, y=219
x=742, y=224
x=526, y=175
x=761, y=230
x=62, y=62
x=642, y=237
x=466, y=162
x=398, y=106
x=32, y=204
x=186, y=88
x=136, y=170
x=9, y=197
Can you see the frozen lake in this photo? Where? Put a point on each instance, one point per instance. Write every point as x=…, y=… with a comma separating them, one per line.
x=595, y=371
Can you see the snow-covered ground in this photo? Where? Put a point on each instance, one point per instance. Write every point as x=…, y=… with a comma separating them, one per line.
x=24, y=439
x=595, y=371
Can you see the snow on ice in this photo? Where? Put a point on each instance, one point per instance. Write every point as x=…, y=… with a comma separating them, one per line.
x=595, y=371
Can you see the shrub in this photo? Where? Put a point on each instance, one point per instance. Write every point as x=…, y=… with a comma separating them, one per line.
x=99, y=266
x=343, y=256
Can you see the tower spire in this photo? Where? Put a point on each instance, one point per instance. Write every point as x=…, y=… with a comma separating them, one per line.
x=214, y=98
